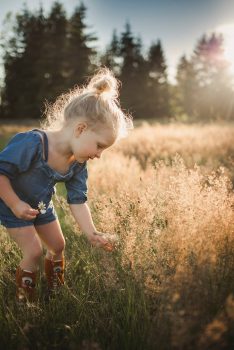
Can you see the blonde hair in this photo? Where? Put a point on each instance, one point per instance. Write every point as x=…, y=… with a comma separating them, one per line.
x=97, y=102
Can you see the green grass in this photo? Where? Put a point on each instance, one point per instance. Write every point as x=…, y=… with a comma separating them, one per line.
x=90, y=307
x=3, y=141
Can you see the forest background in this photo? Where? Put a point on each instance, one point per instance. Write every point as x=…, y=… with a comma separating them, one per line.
x=45, y=55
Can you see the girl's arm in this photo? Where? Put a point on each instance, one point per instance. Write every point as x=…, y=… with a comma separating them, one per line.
x=21, y=209
x=7, y=193
x=82, y=215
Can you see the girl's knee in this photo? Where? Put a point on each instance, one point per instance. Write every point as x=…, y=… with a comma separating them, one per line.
x=59, y=246
x=36, y=252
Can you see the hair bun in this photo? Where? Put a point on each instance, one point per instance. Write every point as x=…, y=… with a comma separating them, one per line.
x=102, y=85
x=104, y=82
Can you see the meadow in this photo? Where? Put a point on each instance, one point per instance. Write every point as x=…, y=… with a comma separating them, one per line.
x=167, y=192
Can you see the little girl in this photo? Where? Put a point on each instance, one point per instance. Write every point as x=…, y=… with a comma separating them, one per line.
x=79, y=127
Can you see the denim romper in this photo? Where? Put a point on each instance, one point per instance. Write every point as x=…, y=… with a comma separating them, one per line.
x=24, y=162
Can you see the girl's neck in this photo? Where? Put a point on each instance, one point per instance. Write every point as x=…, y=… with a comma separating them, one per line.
x=59, y=146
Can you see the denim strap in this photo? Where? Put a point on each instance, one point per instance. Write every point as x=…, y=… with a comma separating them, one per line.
x=44, y=143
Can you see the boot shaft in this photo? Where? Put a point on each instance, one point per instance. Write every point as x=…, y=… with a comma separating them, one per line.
x=54, y=271
x=25, y=284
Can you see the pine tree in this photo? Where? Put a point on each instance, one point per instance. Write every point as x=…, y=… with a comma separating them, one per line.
x=111, y=57
x=20, y=63
x=53, y=60
x=80, y=54
x=11, y=61
x=214, y=91
x=157, y=85
x=33, y=52
x=133, y=74
x=186, y=89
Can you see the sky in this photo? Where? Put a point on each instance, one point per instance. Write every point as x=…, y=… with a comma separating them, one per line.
x=177, y=23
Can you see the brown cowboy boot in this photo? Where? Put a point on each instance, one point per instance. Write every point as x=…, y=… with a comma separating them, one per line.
x=25, y=284
x=54, y=271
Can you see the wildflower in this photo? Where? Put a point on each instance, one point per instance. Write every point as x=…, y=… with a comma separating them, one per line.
x=42, y=207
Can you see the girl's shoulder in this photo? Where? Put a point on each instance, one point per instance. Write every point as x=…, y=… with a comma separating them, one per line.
x=28, y=142
x=22, y=149
x=31, y=137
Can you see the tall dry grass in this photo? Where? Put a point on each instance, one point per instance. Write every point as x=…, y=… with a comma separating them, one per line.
x=175, y=220
x=209, y=146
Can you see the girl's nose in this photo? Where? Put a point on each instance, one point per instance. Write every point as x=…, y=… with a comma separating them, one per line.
x=98, y=154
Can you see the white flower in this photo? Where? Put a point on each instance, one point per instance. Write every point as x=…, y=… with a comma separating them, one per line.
x=42, y=207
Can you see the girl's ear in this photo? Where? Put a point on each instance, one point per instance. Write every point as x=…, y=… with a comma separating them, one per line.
x=79, y=128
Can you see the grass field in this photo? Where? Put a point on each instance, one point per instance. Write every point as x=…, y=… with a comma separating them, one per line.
x=167, y=191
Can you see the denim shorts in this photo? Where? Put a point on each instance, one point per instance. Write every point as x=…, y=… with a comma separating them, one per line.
x=11, y=221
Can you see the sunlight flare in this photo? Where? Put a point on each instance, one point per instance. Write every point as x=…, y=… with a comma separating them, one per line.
x=227, y=30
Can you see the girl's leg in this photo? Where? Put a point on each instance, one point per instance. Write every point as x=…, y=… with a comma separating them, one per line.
x=52, y=236
x=30, y=245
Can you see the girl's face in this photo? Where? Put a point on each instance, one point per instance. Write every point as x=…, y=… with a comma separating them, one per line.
x=89, y=144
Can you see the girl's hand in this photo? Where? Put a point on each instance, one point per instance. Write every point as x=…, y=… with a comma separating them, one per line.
x=102, y=240
x=23, y=211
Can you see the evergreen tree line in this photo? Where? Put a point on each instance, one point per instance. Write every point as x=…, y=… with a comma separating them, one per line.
x=46, y=55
